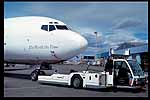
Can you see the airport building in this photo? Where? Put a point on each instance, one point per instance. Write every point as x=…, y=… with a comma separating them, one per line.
x=140, y=53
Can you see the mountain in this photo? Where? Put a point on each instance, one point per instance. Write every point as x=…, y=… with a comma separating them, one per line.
x=129, y=45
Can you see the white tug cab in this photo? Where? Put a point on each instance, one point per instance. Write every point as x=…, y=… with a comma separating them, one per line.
x=119, y=72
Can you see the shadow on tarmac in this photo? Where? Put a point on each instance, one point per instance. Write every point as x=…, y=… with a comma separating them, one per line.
x=131, y=90
x=14, y=75
x=115, y=90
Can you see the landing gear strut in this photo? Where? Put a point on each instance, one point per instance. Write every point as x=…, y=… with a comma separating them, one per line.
x=34, y=75
x=36, y=72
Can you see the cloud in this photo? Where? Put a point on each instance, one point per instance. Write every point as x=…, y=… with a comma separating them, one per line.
x=85, y=30
x=119, y=36
x=139, y=40
x=37, y=8
x=90, y=51
x=92, y=39
x=110, y=40
x=127, y=23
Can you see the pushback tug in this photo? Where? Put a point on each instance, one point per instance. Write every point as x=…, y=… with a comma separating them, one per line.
x=119, y=72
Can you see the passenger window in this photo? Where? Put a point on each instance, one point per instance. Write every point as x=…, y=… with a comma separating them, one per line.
x=44, y=27
x=51, y=27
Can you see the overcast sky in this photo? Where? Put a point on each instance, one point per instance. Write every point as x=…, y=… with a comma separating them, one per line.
x=115, y=22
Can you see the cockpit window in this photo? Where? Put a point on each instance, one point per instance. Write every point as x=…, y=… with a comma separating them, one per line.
x=62, y=27
x=51, y=27
x=44, y=27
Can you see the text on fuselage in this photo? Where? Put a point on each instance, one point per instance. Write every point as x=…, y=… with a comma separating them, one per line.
x=42, y=46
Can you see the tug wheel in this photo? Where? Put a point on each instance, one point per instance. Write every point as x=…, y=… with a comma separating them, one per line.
x=77, y=81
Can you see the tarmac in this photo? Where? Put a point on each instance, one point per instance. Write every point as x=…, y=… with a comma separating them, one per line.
x=17, y=83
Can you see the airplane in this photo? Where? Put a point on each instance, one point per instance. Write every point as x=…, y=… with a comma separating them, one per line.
x=40, y=40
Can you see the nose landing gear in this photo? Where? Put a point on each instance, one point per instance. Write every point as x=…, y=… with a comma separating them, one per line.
x=36, y=72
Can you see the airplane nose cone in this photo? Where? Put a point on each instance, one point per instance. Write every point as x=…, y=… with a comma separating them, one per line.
x=74, y=44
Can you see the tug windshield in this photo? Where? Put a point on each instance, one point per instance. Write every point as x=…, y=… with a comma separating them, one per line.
x=137, y=71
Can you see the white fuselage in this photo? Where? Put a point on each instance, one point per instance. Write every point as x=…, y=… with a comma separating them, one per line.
x=26, y=42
